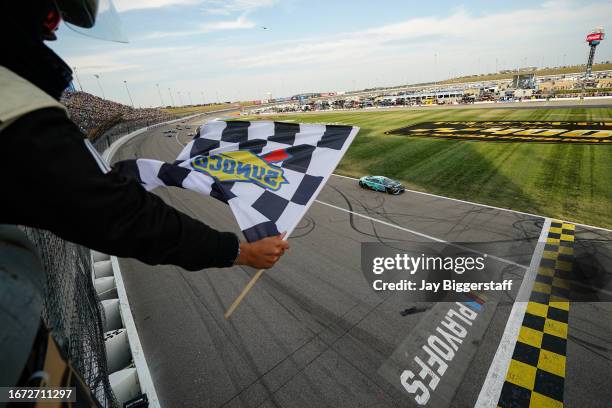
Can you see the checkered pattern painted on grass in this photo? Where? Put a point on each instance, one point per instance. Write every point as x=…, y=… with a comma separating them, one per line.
x=536, y=374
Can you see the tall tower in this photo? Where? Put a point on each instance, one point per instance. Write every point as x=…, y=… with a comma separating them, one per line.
x=594, y=38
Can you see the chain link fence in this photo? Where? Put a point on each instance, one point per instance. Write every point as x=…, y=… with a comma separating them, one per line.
x=72, y=310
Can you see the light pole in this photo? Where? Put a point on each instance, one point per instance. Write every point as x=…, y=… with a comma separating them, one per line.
x=76, y=75
x=190, y=100
x=180, y=99
x=128, y=92
x=100, y=85
x=171, y=97
x=160, y=97
x=436, y=67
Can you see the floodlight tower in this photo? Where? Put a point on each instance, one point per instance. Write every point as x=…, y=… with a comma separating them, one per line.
x=594, y=38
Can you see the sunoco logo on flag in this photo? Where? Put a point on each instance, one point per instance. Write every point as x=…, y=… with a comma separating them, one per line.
x=243, y=166
x=269, y=173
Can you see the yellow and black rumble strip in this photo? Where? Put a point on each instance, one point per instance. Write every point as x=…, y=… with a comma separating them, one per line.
x=513, y=131
x=536, y=374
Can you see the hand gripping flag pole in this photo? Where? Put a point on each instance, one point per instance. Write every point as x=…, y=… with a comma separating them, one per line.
x=230, y=310
x=269, y=173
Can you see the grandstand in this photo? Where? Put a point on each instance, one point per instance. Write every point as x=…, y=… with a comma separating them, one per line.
x=92, y=113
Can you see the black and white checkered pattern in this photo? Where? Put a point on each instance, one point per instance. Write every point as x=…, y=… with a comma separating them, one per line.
x=313, y=152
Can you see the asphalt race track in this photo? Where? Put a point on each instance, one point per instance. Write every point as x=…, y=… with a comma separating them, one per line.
x=312, y=333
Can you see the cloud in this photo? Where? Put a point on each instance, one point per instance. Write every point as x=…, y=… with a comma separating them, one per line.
x=513, y=33
x=120, y=60
x=129, y=5
x=239, y=23
x=223, y=7
x=226, y=7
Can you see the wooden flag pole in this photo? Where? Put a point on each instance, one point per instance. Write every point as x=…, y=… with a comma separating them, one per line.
x=249, y=286
x=242, y=294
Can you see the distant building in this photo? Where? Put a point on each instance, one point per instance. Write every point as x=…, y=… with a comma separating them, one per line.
x=523, y=81
x=604, y=83
x=557, y=85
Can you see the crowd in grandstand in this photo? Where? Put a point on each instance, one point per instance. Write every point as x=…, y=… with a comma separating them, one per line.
x=89, y=111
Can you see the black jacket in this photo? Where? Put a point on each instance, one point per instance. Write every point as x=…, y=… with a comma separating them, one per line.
x=50, y=180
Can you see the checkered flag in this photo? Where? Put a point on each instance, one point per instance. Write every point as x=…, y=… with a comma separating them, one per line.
x=268, y=172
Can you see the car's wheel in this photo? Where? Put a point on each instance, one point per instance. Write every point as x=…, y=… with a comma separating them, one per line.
x=361, y=184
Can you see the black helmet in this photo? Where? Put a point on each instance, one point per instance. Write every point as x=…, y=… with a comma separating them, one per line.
x=81, y=13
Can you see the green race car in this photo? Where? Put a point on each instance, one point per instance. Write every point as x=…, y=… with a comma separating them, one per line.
x=381, y=183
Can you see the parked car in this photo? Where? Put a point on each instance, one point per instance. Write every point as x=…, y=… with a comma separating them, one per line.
x=381, y=183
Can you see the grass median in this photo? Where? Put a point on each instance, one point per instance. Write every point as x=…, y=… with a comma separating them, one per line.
x=568, y=181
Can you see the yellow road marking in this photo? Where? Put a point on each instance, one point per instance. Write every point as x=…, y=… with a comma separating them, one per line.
x=531, y=337
x=521, y=374
x=552, y=362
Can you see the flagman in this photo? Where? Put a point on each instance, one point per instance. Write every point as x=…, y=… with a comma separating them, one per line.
x=52, y=177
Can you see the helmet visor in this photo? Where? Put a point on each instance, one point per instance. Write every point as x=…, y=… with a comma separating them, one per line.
x=107, y=26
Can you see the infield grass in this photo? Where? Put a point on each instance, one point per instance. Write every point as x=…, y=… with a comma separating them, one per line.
x=568, y=181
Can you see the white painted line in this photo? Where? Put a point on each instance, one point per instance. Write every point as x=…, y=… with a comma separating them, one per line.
x=104, y=168
x=420, y=234
x=110, y=152
x=178, y=141
x=346, y=177
x=142, y=368
x=485, y=205
x=492, y=386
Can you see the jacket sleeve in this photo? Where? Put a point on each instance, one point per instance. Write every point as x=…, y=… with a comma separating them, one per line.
x=51, y=180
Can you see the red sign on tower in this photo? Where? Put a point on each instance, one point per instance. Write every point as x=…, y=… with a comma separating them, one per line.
x=595, y=37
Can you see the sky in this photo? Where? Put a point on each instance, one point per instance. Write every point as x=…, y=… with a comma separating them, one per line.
x=210, y=50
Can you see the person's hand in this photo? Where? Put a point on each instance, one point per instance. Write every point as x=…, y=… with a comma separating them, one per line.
x=262, y=254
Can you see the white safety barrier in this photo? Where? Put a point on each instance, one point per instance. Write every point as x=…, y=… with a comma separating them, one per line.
x=125, y=384
x=105, y=287
x=112, y=316
x=102, y=268
x=129, y=375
